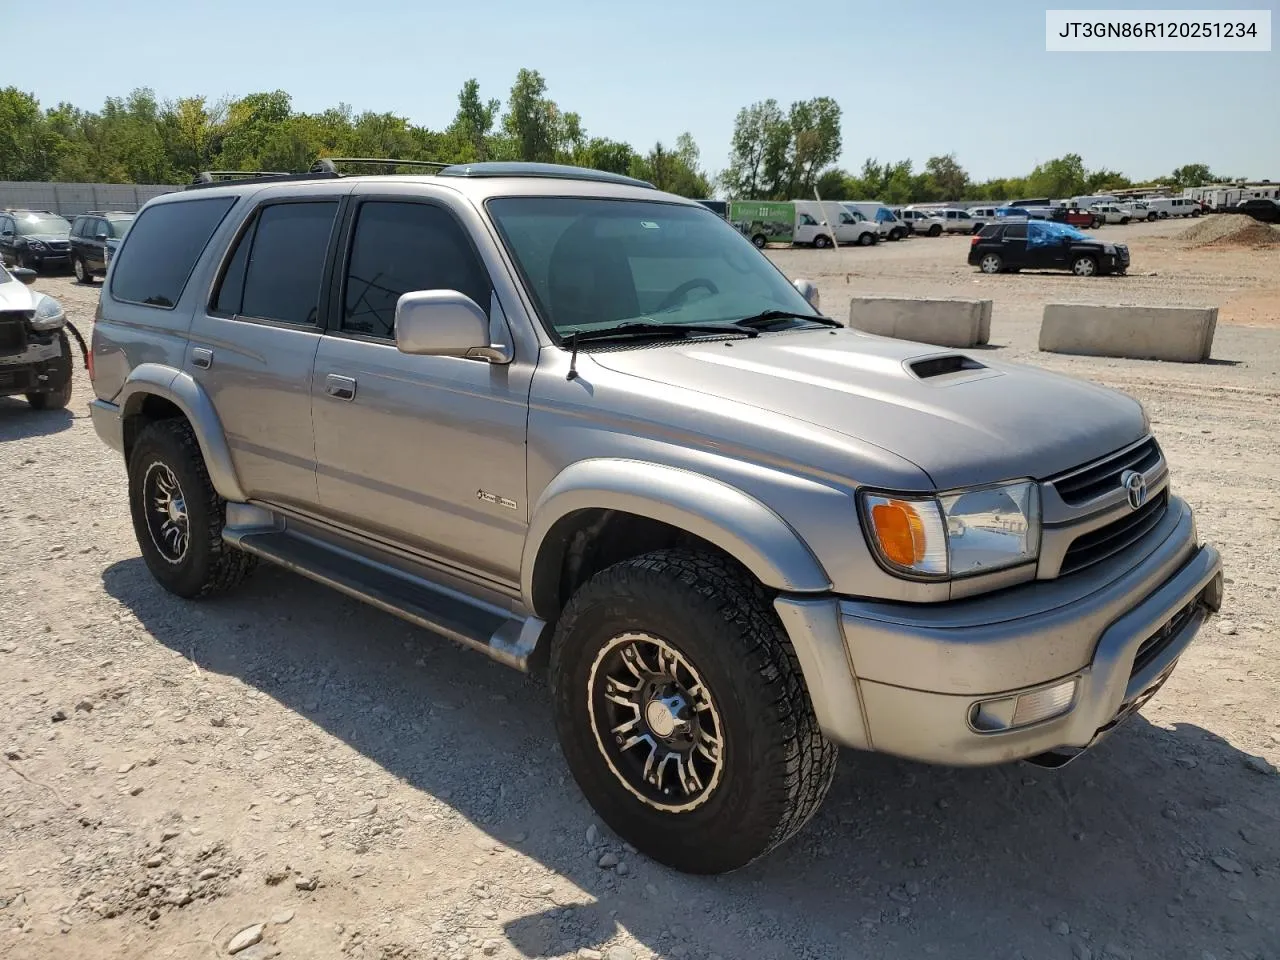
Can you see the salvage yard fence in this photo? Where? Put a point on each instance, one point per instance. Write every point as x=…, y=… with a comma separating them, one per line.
x=69, y=199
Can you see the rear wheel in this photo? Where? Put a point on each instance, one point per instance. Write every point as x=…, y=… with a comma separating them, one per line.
x=82, y=272
x=1084, y=267
x=760, y=240
x=683, y=714
x=177, y=515
x=991, y=263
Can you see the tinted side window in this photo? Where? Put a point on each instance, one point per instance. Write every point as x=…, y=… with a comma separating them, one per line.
x=286, y=260
x=399, y=247
x=156, y=260
x=1015, y=231
x=77, y=227
x=989, y=231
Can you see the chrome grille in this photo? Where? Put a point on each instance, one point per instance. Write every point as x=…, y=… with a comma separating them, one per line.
x=1097, y=545
x=1103, y=475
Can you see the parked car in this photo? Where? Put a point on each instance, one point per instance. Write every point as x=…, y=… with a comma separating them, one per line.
x=1110, y=213
x=35, y=355
x=1075, y=218
x=34, y=239
x=94, y=237
x=1138, y=209
x=890, y=227
x=922, y=222
x=816, y=223
x=983, y=215
x=1165, y=207
x=1044, y=245
x=728, y=562
x=1260, y=208
x=957, y=221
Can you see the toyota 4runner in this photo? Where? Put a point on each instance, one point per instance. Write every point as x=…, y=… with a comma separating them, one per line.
x=585, y=426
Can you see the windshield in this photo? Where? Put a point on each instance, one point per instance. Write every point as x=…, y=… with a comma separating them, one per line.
x=592, y=263
x=119, y=226
x=29, y=226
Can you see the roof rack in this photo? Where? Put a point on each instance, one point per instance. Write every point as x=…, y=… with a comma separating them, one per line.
x=216, y=178
x=329, y=164
x=560, y=171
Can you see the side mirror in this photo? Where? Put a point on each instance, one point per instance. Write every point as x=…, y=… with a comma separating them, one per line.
x=100, y=236
x=24, y=274
x=808, y=289
x=445, y=323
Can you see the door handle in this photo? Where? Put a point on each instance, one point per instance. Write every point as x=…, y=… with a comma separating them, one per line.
x=340, y=388
x=202, y=357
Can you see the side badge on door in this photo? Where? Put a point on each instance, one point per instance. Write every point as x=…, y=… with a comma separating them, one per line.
x=495, y=499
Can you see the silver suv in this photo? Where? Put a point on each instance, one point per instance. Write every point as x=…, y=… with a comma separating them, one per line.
x=585, y=426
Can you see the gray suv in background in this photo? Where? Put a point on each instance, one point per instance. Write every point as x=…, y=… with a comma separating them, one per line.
x=584, y=426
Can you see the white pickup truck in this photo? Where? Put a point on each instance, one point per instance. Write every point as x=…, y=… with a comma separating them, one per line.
x=1110, y=213
x=922, y=222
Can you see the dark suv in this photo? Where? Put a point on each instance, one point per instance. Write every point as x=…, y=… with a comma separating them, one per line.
x=34, y=238
x=1044, y=245
x=1260, y=208
x=94, y=237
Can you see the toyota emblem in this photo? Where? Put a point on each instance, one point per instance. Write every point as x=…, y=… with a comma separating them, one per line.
x=1135, y=487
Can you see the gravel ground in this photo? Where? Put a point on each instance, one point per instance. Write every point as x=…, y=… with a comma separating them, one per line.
x=291, y=770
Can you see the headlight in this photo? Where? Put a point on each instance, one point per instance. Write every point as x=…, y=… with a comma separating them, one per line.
x=49, y=314
x=957, y=534
x=35, y=244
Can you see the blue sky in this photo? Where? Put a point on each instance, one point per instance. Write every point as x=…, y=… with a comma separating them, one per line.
x=914, y=77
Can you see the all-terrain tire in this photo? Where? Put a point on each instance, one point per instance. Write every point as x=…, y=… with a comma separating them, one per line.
x=776, y=764
x=209, y=565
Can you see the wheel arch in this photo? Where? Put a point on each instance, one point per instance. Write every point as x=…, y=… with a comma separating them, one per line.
x=154, y=391
x=699, y=507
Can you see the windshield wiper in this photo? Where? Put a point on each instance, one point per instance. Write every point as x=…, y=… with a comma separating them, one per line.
x=766, y=317
x=639, y=329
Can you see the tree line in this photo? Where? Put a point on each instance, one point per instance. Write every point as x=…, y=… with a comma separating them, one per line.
x=774, y=153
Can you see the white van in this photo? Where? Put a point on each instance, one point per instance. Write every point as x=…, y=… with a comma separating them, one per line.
x=891, y=227
x=1166, y=207
x=1084, y=203
x=816, y=223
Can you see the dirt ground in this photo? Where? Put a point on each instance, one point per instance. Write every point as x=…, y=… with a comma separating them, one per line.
x=175, y=773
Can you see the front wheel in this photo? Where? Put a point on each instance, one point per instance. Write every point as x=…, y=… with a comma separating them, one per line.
x=991, y=263
x=760, y=240
x=866, y=239
x=177, y=515
x=82, y=272
x=1084, y=267
x=1124, y=221
x=821, y=241
x=683, y=714
x=935, y=230
x=1151, y=216
x=1195, y=213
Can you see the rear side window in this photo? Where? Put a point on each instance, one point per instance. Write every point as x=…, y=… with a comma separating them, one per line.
x=1015, y=231
x=153, y=267
x=400, y=247
x=990, y=230
x=276, y=269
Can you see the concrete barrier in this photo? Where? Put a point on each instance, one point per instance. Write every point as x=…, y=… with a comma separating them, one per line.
x=947, y=323
x=1181, y=334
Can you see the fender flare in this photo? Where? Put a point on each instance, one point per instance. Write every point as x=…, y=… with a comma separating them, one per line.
x=719, y=513
x=181, y=389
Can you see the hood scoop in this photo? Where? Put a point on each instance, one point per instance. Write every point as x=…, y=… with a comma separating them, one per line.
x=948, y=368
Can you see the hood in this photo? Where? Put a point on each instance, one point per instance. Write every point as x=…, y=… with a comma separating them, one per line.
x=47, y=237
x=961, y=418
x=15, y=295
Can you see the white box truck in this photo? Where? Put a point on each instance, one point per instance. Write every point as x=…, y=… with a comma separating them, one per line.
x=816, y=223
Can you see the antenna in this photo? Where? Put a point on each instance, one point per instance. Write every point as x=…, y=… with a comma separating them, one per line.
x=573, y=358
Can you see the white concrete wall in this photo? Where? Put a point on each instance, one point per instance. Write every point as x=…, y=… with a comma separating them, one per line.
x=947, y=323
x=1180, y=334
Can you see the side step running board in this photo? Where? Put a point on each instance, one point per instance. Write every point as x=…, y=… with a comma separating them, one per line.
x=508, y=639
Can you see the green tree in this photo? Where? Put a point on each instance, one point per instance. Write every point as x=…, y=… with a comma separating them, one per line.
x=473, y=124
x=532, y=120
x=29, y=149
x=758, y=131
x=1063, y=177
x=1193, y=175
x=947, y=179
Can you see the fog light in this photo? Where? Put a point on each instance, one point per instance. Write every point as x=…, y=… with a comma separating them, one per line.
x=1045, y=703
x=993, y=716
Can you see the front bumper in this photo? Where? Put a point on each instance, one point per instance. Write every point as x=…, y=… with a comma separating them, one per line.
x=920, y=671
x=31, y=371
